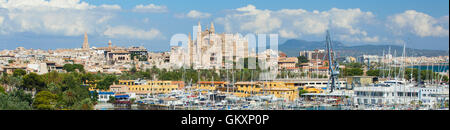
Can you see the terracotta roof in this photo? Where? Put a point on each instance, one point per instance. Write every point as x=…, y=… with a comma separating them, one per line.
x=119, y=51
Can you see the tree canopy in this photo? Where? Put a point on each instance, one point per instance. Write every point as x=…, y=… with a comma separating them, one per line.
x=107, y=81
x=19, y=72
x=9, y=102
x=45, y=100
x=73, y=67
x=33, y=81
x=302, y=59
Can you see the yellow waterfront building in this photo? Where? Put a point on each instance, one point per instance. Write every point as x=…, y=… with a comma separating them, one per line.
x=282, y=92
x=278, y=89
x=206, y=86
x=246, y=89
x=149, y=87
x=142, y=86
x=152, y=89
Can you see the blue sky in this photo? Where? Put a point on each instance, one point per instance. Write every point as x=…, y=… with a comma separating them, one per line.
x=61, y=24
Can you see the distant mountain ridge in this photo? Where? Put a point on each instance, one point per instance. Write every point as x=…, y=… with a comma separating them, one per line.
x=292, y=47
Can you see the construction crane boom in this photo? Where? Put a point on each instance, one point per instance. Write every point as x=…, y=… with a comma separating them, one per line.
x=333, y=65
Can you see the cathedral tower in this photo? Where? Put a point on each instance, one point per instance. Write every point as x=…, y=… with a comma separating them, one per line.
x=85, y=43
x=191, y=50
x=199, y=42
x=109, y=44
x=212, y=28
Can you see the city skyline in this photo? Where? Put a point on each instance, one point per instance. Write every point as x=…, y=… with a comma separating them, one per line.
x=55, y=24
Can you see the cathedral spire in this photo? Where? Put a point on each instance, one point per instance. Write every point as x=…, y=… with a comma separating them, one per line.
x=190, y=37
x=199, y=27
x=85, y=43
x=212, y=27
x=109, y=44
x=199, y=34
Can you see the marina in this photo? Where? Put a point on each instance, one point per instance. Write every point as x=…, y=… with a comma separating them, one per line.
x=376, y=97
x=389, y=92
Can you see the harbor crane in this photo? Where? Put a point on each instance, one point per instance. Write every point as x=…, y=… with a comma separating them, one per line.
x=333, y=65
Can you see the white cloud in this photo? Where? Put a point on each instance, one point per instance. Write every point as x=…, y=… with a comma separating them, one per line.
x=250, y=19
x=197, y=14
x=344, y=21
x=1, y=20
x=150, y=8
x=104, y=19
x=55, y=17
x=293, y=11
x=293, y=23
x=68, y=18
x=444, y=20
x=419, y=24
x=311, y=25
x=365, y=39
x=111, y=7
x=129, y=32
x=348, y=19
x=287, y=34
x=44, y=4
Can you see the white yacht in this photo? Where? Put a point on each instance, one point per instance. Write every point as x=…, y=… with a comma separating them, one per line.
x=399, y=93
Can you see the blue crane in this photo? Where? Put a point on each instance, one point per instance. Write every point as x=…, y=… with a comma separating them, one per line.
x=333, y=65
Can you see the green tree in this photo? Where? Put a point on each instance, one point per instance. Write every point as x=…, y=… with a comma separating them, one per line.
x=12, y=81
x=68, y=67
x=373, y=72
x=353, y=72
x=133, y=70
x=8, y=102
x=45, y=100
x=85, y=104
x=88, y=77
x=80, y=67
x=53, y=77
x=19, y=72
x=33, y=81
x=132, y=56
x=354, y=65
x=105, y=83
x=2, y=90
x=52, y=87
x=73, y=67
x=4, y=78
x=69, y=98
x=71, y=80
x=445, y=78
x=302, y=59
x=22, y=96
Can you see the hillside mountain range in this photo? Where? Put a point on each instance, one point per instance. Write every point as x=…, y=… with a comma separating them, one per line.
x=292, y=47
